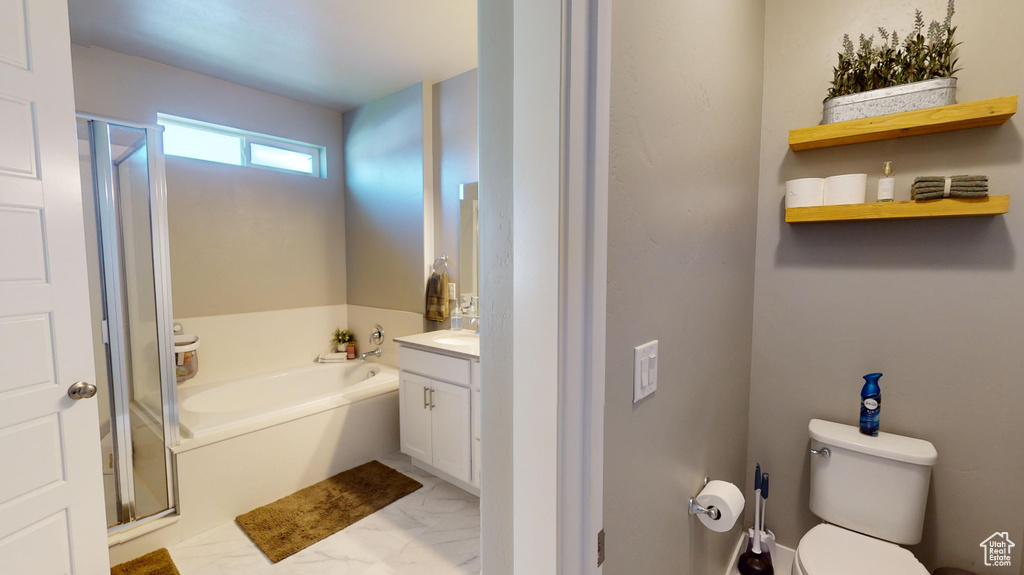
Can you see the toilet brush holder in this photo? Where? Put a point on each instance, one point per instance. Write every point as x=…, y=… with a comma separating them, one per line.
x=767, y=541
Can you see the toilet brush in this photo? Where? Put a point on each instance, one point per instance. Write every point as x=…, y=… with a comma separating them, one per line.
x=753, y=561
x=764, y=511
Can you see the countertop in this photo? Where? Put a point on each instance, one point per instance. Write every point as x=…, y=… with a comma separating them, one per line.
x=429, y=342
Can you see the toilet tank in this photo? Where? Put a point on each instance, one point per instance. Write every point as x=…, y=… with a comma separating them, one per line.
x=877, y=486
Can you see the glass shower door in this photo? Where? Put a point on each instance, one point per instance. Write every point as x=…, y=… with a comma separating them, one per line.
x=136, y=336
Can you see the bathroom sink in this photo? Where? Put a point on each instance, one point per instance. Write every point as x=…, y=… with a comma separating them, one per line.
x=459, y=339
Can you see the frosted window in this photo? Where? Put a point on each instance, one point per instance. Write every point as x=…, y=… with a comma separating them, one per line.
x=200, y=144
x=279, y=158
x=215, y=143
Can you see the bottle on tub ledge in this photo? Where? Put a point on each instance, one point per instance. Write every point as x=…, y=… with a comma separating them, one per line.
x=870, y=404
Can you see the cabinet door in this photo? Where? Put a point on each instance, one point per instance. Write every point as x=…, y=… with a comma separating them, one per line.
x=451, y=441
x=414, y=392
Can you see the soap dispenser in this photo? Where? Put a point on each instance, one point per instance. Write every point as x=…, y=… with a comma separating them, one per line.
x=870, y=404
x=887, y=184
x=456, y=316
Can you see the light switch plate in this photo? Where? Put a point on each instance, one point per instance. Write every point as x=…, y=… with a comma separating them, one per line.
x=645, y=370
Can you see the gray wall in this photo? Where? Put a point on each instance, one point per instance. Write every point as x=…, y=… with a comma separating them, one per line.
x=495, y=117
x=685, y=123
x=242, y=239
x=936, y=305
x=455, y=155
x=384, y=202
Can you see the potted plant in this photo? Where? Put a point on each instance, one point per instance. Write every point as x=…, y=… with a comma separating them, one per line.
x=345, y=342
x=894, y=77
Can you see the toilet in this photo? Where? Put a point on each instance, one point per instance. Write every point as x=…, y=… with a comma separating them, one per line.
x=871, y=492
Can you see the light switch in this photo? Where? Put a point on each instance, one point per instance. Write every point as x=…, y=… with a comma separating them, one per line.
x=645, y=370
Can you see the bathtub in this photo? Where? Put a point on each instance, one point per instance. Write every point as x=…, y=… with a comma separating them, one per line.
x=235, y=406
x=249, y=441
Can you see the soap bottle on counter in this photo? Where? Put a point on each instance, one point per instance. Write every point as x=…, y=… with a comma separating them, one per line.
x=886, y=184
x=456, y=316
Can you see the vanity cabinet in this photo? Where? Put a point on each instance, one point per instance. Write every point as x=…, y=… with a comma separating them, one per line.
x=417, y=419
x=437, y=417
x=475, y=413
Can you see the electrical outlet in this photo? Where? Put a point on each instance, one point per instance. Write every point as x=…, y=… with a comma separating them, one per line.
x=645, y=370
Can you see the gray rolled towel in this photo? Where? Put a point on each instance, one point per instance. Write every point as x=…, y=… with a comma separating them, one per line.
x=952, y=183
x=954, y=178
x=952, y=194
x=934, y=187
x=952, y=189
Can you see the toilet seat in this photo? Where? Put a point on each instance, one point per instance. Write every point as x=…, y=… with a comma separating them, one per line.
x=831, y=550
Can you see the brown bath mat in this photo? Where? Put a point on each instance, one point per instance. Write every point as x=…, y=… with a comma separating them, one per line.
x=293, y=523
x=155, y=563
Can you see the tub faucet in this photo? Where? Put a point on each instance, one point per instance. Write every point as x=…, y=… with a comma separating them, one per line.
x=376, y=352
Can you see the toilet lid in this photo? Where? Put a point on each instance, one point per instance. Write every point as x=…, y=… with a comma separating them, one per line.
x=831, y=550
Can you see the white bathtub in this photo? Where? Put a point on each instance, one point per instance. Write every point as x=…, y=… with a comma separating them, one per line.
x=252, y=440
x=235, y=406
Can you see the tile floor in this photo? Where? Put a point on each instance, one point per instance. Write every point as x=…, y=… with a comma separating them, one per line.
x=434, y=531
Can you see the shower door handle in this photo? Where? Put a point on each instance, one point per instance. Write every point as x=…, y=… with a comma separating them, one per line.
x=81, y=390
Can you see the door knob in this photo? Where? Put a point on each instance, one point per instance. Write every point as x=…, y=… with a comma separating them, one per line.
x=81, y=390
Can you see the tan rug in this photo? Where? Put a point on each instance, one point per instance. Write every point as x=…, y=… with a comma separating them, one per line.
x=289, y=525
x=155, y=563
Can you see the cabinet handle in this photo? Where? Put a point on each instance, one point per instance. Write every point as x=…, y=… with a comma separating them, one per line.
x=426, y=402
x=432, y=406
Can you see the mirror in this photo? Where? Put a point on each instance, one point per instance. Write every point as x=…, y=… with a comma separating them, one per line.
x=469, y=240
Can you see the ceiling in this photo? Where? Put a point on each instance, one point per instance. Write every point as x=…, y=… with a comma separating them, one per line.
x=338, y=54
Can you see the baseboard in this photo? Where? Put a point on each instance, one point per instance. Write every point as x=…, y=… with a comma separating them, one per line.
x=456, y=482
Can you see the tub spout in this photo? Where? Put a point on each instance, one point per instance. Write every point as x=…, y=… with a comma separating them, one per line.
x=363, y=356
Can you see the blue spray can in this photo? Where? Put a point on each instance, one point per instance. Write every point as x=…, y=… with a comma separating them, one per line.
x=870, y=404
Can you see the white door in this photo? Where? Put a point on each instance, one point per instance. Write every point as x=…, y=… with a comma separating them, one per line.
x=51, y=484
x=414, y=410
x=451, y=437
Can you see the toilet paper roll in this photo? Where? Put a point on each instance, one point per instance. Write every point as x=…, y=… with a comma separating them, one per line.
x=805, y=192
x=725, y=497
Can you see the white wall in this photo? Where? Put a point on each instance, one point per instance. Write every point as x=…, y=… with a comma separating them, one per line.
x=240, y=344
x=456, y=159
x=685, y=123
x=384, y=226
x=936, y=305
x=242, y=239
x=496, y=260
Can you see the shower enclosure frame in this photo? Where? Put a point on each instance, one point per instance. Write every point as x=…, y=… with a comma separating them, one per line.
x=115, y=330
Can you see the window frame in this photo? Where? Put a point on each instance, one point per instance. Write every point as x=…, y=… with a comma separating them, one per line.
x=246, y=139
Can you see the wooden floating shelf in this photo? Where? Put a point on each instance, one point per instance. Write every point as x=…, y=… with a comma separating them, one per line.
x=944, y=208
x=930, y=121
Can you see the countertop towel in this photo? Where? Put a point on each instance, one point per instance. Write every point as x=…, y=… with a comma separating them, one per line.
x=437, y=297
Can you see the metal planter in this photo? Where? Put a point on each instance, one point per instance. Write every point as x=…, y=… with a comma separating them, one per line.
x=904, y=98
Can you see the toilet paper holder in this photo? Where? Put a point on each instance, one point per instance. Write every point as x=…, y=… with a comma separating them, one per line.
x=697, y=509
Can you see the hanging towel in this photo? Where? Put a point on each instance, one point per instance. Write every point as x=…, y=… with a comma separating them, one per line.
x=437, y=297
